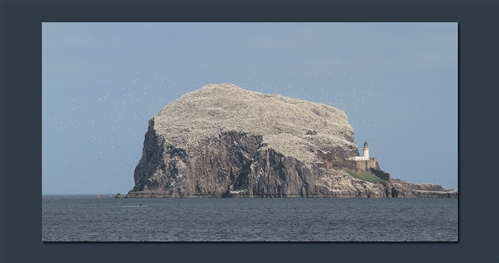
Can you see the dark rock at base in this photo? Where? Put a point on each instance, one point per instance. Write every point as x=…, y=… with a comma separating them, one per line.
x=401, y=189
x=119, y=196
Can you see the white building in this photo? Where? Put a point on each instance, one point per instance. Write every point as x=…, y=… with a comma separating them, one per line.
x=362, y=158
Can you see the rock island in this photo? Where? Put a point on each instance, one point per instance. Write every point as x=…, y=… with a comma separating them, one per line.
x=224, y=141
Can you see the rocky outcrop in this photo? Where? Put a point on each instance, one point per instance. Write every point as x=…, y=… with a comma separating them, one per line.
x=400, y=189
x=224, y=141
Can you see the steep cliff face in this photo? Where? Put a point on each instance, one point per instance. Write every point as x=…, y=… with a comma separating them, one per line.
x=224, y=141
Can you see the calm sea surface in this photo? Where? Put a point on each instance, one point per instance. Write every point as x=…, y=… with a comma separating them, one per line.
x=85, y=218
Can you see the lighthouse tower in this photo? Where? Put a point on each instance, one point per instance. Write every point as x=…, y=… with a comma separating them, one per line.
x=366, y=151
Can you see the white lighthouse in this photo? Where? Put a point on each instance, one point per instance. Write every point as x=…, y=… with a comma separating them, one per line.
x=362, y=158
x=366, y=150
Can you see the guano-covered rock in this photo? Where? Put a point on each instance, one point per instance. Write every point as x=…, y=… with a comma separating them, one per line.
x=224, y=141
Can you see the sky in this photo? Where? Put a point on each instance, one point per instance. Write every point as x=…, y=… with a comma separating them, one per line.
x=101, y=82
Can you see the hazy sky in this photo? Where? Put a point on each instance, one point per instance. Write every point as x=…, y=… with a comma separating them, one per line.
x=101, y=82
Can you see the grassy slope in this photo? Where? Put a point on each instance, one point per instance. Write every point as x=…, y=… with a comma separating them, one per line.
x=366, y=176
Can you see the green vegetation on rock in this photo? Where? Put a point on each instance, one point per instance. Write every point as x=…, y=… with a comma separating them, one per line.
x=366, y=176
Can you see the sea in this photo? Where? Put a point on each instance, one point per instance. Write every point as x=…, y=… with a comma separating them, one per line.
x=109, y=219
